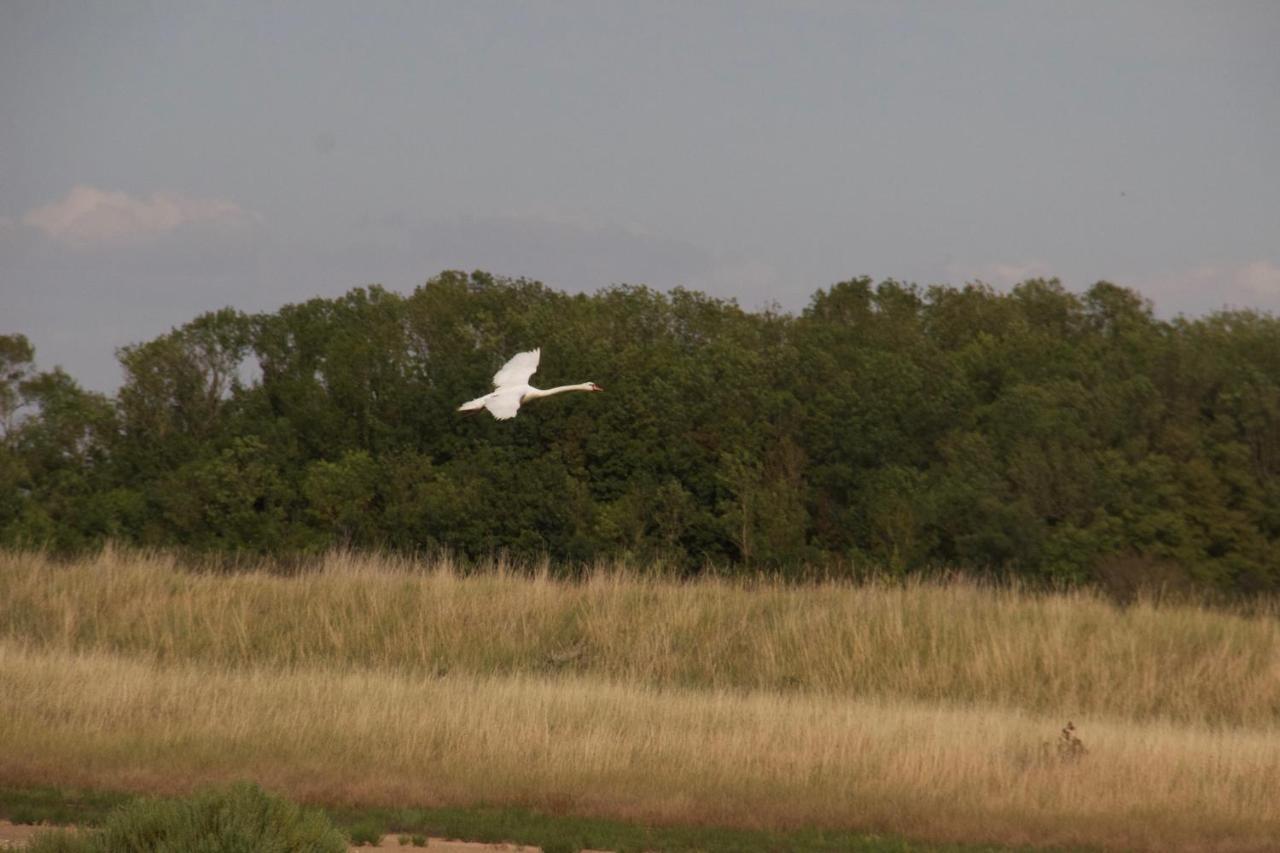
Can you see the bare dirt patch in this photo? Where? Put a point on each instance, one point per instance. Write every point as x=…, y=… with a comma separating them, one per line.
x=440, y=845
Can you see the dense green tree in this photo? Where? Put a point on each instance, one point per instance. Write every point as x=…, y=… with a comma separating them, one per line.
x=1039, y=432
x=54, y=489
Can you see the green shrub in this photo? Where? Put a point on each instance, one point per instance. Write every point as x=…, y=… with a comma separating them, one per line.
x=241, y=818
x=367, y=831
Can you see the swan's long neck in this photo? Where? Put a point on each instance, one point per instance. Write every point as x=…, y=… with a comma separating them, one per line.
x=535, y=393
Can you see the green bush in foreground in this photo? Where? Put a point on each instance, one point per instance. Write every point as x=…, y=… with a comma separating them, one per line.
x=241, y=818
x=365, y=832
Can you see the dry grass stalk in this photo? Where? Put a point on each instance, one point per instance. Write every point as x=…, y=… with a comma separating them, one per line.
x=927, y=709
x=633, y=751
x=959, y=642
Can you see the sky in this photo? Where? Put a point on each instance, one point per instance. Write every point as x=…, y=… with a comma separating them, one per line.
x=162, y=159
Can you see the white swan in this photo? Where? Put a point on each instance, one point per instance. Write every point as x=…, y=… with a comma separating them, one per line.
x=513, y=388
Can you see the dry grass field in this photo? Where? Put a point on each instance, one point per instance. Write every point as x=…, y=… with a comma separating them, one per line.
x=928, y=710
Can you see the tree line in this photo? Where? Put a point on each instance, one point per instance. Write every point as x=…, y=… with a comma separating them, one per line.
x=1036, y=432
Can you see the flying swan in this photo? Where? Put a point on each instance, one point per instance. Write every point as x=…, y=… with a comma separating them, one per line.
x=513, y=388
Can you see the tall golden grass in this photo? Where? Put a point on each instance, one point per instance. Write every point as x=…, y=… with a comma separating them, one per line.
x=958, y=642
x=926, y=709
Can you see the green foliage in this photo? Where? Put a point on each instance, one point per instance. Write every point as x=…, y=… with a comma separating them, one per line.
x=560, y=846
x=366, y=831
x=58, y=805
x=568, y=832
x=1037, y=432
x=16, y=364
x=499, y=824
x=236, y=819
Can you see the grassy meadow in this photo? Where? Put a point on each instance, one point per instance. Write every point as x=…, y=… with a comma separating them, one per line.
x=930, y=710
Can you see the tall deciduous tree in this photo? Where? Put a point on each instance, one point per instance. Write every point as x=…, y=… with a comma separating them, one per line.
x=1038, y=432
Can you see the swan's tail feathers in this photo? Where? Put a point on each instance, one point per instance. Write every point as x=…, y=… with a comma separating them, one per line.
x=474, y=405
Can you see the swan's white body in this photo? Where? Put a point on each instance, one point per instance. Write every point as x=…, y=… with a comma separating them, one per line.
x=512, y=387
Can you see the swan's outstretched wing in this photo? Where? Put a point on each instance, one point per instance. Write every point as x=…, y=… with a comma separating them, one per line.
x=503, y=405
x=517, y=372
x=474, y=405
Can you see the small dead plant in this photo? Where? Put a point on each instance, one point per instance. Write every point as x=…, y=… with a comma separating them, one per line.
x=1067, y=749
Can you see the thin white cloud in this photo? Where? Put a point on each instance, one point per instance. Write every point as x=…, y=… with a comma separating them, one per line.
x=563, y=252
x=1000, y=273
x=89, y=217
x=750, y=280
x=1260, y=277
x=1207, y=288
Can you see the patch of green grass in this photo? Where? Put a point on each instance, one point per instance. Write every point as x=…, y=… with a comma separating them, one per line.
x=560, y=847
x=492, y=824
x=366, y=831
x=230, y=819
x=59, y=806
x=24, y=815
x=567, y=833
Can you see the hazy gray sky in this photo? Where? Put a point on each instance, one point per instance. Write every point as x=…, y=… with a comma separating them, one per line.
x=161, y=159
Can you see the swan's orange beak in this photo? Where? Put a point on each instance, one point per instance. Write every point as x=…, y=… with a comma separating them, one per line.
x=595, y=387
